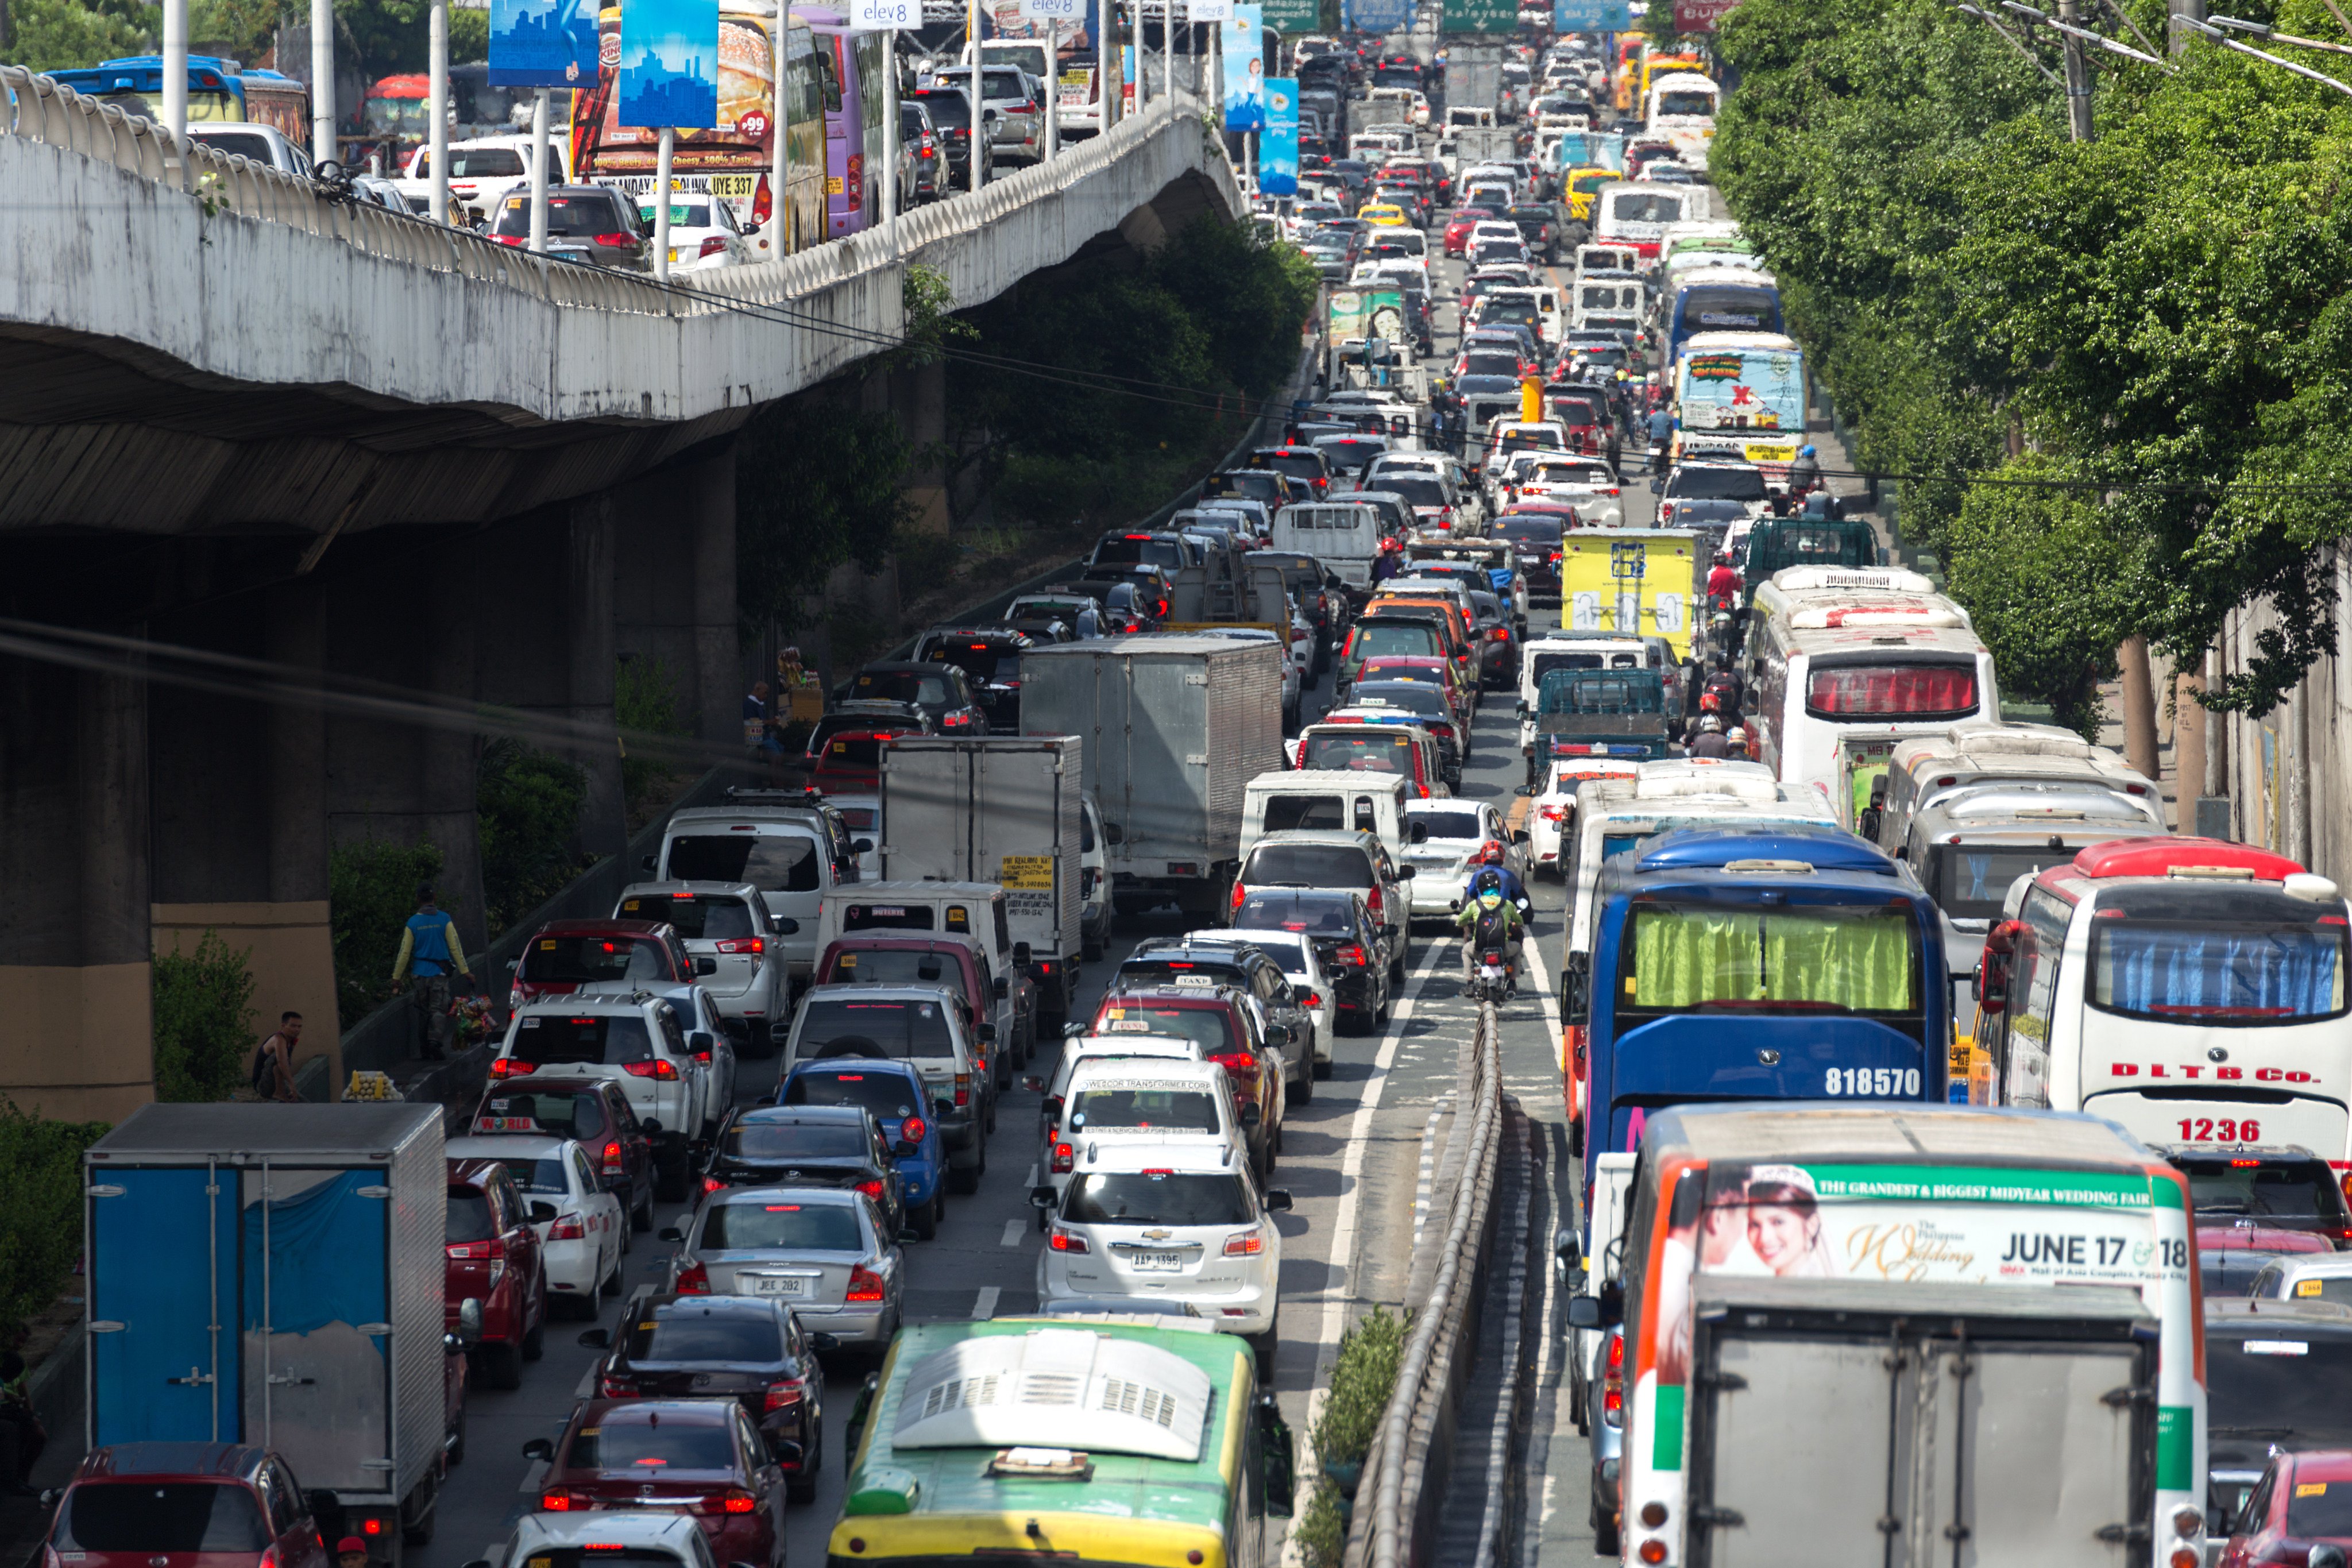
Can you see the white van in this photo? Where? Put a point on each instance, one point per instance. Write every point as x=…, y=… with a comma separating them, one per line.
x=793, y=854
x=1344, y=538
x=1611, y=302
x=974, y=909
x=1309, y=800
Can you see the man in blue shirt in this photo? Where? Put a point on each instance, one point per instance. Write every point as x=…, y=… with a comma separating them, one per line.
x=430, y=953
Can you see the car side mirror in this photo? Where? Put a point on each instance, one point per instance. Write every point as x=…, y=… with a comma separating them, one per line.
x=1420, y=834
x=1277, y=1199
x=999, y=988
x=1041, y=1198
x=750, y=230
x=513, y=964
x=943, y=1109
x=1518, y=835
x=669, y=1233
x=706, y=966
x=1053, y=1106
x=784, y=925
x=701, y=1042
x=321, y=1501
x=1277, y=1034
x=644, y=863
x=1251, y=1115
x=1604, y=1310
x=541, y=1211
x=596, y=1340
x=784, y=1451
x=1073, y=1031
x=2325, y=1556
x=538, y=1449
x=988, y=1033
x=1528, y=790
x=1575, y=987
x=1407, y=873
x=469, y=1321
x=1023, y=955
x=1565, y=1248
x=651, y=1124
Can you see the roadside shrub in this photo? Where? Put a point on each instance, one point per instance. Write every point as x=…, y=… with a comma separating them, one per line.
x=1363, y=1375
x=530, y=805
x=204, y=1020
x=40, y=1225
x=645, y=699
x=370, y=892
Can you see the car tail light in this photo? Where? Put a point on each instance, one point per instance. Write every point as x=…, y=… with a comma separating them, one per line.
x=1240, y=893
x=1064, y=1159
x=963, y=1088
x=754, y=945
x=1552, y=813
x=617, y=241
x=1242, y=1064
x=557, y=1499
x=703, y=1057
x=664, y=1072
x=493, y=1250
x=517, y=239
x=1353, y=956
x=865, y=1285
x=784, y=1394
x=734, y=1500
x=872, y=1188
x=763, y=201
x=507, y=1067
x=694, y=1281
x=1244, y=1243
x=568, y=1228
x=514, y=997
x=1067, y=1241
x=711, y=1184
x=613, y=1164
x=913, y=1129
x=1373, y=901
x=611, y=1387
x=1612, y=1381
x=713, y=246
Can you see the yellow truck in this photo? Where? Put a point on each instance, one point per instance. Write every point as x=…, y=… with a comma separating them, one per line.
x=1644, y=582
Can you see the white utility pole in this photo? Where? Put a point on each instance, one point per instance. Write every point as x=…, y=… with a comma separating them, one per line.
x=661, y=203
x=175, y=66
x=323, y=80
x=891, y=116
x=436, y=108
x=539, y=173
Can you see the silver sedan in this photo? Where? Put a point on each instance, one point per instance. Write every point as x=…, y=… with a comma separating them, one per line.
x=821, y=1250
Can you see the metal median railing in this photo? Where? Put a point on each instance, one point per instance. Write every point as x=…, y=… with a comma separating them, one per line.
x=1404, y=1477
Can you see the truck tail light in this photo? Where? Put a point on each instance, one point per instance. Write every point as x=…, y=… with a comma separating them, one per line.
x=865, y=1285
x=694, y=1281
x=1244, y=1243
x=1067, y=1241
x=857, y=179
x=568, y=1228
x=661, y=1071
x=1063, y=1159
x=763, y=202
x=753, y=945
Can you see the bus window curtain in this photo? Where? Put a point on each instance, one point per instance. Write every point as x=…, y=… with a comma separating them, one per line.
x=1689, y=957
x=2151, y=969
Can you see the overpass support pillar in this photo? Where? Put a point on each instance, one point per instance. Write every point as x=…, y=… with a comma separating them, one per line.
x=718, y=657
x=591, y=549
x=76, y=1012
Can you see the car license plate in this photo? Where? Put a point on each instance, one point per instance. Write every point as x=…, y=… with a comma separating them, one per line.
x=778, y=1285
x=1155, y=1262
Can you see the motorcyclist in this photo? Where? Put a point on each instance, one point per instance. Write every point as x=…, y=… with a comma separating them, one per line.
x=1805, y=473
x=1735, y=743
x=1709, y=742
x=1494, y=868
x=1711, y=707
x=1722, y=583
x=1661, y=425
x=1489, y=922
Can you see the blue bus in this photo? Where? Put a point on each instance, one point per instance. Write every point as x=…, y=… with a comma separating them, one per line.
x=218, y=91
x=1721, y=299
x=1736, y=964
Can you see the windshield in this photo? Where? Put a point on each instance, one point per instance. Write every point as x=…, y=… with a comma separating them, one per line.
x=1212, y=1027
x=1450, y=823
x=1639, y=206
x=1284, y=910
x=1143, y=1107
x=1368, y=751
x=1688, y=103
x=707, y=918
x=684, y=1333
x=1731, y=310
x=1816, y=958
x=2216, y=954
x=894, y=966
x=1373, y=638
x=1159, y=1197
x=1970, y=881
x=642, y=1448
x=772, y=862
x=568, y=217
x=1716, y=484
x=172, y=1516
x=1311, y=865
x=840, y=1028
x=981, y=660
x=595, y=959
x=890, y=1097
x=2274, y=1193
x=605, y=1042
x=2280, y=1380
x=788, y=1141
x=1911, y=691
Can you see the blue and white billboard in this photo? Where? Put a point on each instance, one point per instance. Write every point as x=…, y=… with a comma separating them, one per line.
x=1592, y=16
x=670, y=63
x=1244, y=69
x=1278, y=149
x=543, y=43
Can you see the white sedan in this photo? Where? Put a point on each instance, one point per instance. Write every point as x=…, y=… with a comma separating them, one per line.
x=582, y=1231
x=703, y=234
x=1442, y=861
x=1551, y=814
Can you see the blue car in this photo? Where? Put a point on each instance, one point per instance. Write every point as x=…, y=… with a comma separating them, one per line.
x=895, y=1093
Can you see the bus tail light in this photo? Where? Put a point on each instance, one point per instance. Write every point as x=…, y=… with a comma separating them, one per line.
x=857, y=179
x=763, y=202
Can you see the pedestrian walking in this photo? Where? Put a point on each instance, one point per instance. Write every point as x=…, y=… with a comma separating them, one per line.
x=430, y=954
x=272, y=1076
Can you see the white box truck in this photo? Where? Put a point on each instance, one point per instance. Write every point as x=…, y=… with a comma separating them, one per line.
x=1001, y=809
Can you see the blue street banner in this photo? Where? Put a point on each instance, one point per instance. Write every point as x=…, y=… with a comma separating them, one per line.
x=1592, y=16
x=1377, y=15
x=1278, y=149
x=670, y=63
x=543, y=43
x=1244, y=69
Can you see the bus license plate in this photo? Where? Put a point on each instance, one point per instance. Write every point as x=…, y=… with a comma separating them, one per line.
x=1156, y=1262
x=778, y=1285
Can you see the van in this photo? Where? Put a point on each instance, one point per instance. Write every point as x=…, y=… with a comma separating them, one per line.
x=1313, y=799
x=1356, y=745
x=1566, y=649
x=976, y=910
x=1635, y=214
x=793, y=854
x=928, y=1027
x=1610, y=302
x=1343, y=536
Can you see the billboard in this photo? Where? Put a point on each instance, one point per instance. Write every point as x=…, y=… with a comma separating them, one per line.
x=1368, y=313
x=1244, y=70
x=669, y=63
x=1278, y=149
x=1208, y=10
x=1480, y=16
x=543, y=43
x=1375, y=16
x=1592, y=16
x=742, y=140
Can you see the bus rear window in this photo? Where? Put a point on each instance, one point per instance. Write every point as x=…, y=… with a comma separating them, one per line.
x=2198, y=952
x=1823, y=958
x=1891, y=691
x=1968, y=882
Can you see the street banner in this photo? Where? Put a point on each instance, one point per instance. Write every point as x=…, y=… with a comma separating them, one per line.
x=1244, y=69
x=1208, y=11
x=1291, y=18
x=669, y=63
x=1278, y=149
x=885, y=15
x=1480, y=16
x=543, y=43
x=1700, y=15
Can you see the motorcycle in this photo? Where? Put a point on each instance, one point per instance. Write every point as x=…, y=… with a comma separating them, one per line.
x=1493, y=980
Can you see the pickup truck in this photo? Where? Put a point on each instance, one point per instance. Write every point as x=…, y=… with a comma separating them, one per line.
x=1599, y=712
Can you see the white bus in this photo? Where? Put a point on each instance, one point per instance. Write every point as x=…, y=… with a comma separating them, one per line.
x=1844, y=662
x=2188, y=989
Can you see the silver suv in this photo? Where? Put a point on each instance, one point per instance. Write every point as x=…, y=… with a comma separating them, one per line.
x=730, y=924
x=1016, y=99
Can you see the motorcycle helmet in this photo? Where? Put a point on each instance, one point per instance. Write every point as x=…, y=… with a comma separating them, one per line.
x=1491, y=855
x=1709, y=724
x=1737, y=734
x=1805, y=451
x=1709, y=702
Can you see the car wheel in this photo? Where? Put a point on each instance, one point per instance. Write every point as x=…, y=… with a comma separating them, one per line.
x=991, y=1113
x=1387, y=1010
x=1323, y=1068
x=641, y=1218
x=802, y=1487
x=1604, y=1527
x=1302, y=1089
x=534, y=1338
x=500, y=1366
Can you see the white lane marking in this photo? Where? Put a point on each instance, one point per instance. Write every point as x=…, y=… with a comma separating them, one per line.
x=985, y=1308
x=534, y=1477
x=1032, y=1175
x=1014, y=1231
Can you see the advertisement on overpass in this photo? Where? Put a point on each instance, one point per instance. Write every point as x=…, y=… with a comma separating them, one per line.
x=543, y=43
x=1378, y=16
x=1592, y=16
x=1278, y=149
x=1700, y=15
x=1480, y=16
x=669, y=63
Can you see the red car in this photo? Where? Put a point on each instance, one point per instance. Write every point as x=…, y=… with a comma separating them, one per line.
x=697, y=1457
x=564, y=955
x=1228, y=1033
x=2303, y=1500
x=185, y=1505
x=1460, y=222
x=493, y=1257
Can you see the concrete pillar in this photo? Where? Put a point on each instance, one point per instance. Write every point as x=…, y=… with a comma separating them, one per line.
x=297, y=617
x=76, y=978
x=449, y=758
x=708, y=488
x=590, y=550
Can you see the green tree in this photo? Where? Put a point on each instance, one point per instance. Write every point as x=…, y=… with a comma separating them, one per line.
x=816, y=487
x=528, y=804
x=370, y=892
x=40, y=1225
x=73, y=35
x=204, y=1020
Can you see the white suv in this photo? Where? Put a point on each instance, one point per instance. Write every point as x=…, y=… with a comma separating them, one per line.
x=730, y=924
x=637, y=1042
x=1169, y=1222
x=1110, y=1101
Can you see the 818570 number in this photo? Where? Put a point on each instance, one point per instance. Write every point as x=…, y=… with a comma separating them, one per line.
x=1883, y=1083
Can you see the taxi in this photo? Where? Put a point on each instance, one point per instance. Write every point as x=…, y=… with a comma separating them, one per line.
x=1383, y=214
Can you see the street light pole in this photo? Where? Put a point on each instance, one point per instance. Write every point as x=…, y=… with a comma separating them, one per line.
x=323, y=80
x=2078, y=74
x=437, y=108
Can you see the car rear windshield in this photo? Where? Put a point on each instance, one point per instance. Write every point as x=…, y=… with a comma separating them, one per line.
x=1731, y=310
x=1309, y=865
x=1369, y=752
x=470, y=1217
x=568, y=217
x=1716, y=484
x=948, y=110
x=1823, y=959
x=1139, y=549
x=642, y=1448
x=2281, y=1381
x=559, y=1113
x=1375, y=637
x=1490, y=364
x=840, y=1028
x=610, y=1041
x=1297, y=465
x=243, y=143
x=152, y=1517
x=1428, y=702
x=783, y=1227
x=887, y=917
x=1311, y=814
x=1157, y=1197
x=772, y=862
x=787, y=1140
x=894, y=966
x=602, y=1556
x=900, y=686
x=684, y=1333
x=1213, y=1027
x=2199, y=953
x=596, y=960
x=536, y=1176
x=1528, y=529
x=1146, y=971
x=1353, y=451
x=1971, y=881
x=698, y=917
x=981, y=660
x=1145, y=1109
x=2282, y=1193
x=889, y=1096
x=1450, y=823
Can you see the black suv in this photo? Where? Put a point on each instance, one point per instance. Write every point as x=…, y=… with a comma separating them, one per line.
x=940, y=690
x=989, y=657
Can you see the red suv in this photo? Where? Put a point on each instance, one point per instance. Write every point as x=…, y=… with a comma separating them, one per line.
x=697, y=1457
x=1230, y=1033
x=493, y=1257
x=137, y=1504
x=565, y=956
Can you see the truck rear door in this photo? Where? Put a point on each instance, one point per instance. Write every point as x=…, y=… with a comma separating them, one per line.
x=163, y=1365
